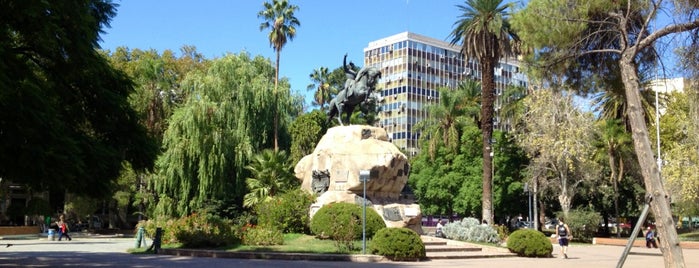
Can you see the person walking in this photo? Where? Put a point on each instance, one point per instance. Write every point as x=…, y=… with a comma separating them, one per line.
x=564, y=235
x=63, y=229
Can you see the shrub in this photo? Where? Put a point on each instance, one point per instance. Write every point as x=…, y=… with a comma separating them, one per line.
x=529, y=243
x=262, y=236
x=205, y=230
x=398, y=244
x=342, y=222
x=194, y=231
x=469, y=229
x=582, y=223
x=288, y=212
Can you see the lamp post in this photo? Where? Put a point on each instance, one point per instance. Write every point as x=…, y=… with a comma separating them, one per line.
x=364, y=177
x=529, y=202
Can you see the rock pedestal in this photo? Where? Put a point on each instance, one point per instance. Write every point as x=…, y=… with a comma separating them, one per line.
x=332, y=172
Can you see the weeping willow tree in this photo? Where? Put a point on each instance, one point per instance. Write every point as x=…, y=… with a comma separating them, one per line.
x=211, y=138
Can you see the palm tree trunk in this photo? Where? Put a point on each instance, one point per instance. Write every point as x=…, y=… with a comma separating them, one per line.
x=488, y=97
x=660, y=205
x=276, y=105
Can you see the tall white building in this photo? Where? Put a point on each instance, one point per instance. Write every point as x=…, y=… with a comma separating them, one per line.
x=413, y=67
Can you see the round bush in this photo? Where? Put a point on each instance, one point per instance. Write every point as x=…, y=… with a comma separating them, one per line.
x=529, y=243
x=262, y=236
x=398, y=244
x=335, y=217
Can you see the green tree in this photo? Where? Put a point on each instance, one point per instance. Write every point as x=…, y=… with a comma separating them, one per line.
x=65, y=123
x=483, y=30
x=681, y=169
x=322, y=87
x=306, y=132
x=271, y=174
x=211, y=138
x=615, y=145
x=558, y=138
x=279, y=19
x=445, y=121
x=559, y=33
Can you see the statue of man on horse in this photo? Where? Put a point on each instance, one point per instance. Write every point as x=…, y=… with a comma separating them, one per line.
x=356, y=91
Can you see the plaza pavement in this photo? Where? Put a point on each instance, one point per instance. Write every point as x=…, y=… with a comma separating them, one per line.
x=109, y=251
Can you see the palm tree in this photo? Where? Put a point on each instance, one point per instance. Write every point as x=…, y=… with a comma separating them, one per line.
x=279, y=19
x=321, y=84
x=483, y=29
x=272, y=174
x=445, y=121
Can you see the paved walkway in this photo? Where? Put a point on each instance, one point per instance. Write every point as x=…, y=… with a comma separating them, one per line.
x=106, y=251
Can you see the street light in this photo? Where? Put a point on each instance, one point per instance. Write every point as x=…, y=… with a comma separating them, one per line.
x=364, y=177
x=529, y=202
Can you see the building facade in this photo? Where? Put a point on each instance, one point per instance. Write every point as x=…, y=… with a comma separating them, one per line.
x=413, y=67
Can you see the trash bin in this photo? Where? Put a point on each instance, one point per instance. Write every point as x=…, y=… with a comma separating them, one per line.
x=52, y=234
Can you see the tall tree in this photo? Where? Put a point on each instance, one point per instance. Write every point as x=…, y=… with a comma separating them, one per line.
x=279, y=19
x=445, y=121
x=484, y=32
x=681, y=170
x=212, y=137
x=562, y=31
x=321, y=84
x=65, y=123
x=559, y=140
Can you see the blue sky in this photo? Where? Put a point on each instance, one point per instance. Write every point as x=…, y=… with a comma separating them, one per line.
x=329, y=29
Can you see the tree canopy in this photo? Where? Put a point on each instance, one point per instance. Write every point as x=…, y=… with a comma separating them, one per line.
x=65, y=122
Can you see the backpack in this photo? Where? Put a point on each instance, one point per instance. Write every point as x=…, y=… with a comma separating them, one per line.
x=562, y=230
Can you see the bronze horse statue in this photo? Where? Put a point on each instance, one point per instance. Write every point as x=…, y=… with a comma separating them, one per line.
x=355, y=93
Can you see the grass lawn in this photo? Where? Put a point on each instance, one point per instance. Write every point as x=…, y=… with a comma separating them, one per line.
x=693, y=236
x=302, y=243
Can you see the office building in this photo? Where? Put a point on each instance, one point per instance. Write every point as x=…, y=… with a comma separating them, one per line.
x=413, y=67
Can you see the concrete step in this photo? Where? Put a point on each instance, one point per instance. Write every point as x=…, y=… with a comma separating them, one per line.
x=440, y=248
x=450, y=249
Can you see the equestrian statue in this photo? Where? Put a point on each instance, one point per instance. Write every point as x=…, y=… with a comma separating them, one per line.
x=356, y=91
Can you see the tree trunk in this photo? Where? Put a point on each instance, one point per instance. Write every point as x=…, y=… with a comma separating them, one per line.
x=276, y=105
x=613, y=176
x=660, y=205
x=488, y=98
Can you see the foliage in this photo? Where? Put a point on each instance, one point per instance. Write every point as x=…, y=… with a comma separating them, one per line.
x=503, y=232
x=484, y=31
x=271, y=174
x=198, y=230
x=398, y=244
x=38, y=206
x=582, y=223
x=529, y=243
x=306, y=131
x=289, y=212
x=66, y=122
x=470, y=229
x=342, y=222
x=558, y=137
x=680, y=145
x=262, y=235
x=210, y=140
x=81, y=206
x=279, y=18
x=322, y=87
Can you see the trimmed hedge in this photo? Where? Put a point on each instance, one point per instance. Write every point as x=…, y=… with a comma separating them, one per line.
x=399, y=244
x=287, y=212
x=336, y=217
x=529, y=243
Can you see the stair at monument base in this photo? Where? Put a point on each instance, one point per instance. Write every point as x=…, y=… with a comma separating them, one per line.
x=439, y=248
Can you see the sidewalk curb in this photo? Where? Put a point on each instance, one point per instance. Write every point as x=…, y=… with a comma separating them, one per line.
x=271, y=255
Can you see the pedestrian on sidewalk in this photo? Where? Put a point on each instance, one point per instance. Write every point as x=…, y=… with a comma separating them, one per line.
x=63, y=229
x=564, y=235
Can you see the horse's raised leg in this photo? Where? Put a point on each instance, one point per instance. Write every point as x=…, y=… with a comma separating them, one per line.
x=339, y=113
